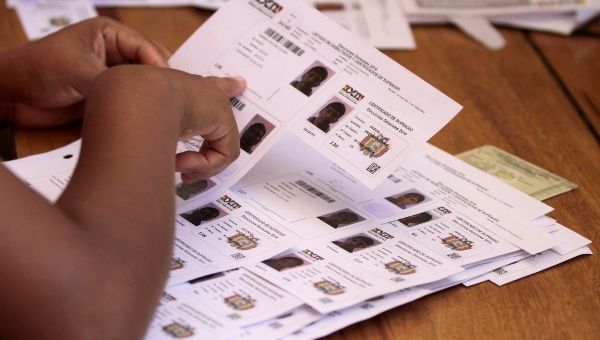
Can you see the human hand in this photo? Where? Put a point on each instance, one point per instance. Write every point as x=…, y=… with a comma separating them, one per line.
x=219, y=130
x=56, y=71
x=165, y=105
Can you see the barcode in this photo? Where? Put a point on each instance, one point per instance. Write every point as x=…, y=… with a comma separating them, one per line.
x=394, y=179
x=297, y=50
x=315, y=191
x=238, y=256
x=325, y=300
x=237, y=104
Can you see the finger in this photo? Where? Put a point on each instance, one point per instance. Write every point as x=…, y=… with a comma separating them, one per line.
x=124, y=44
x=214, y=156
x=230, y=86
x=163, y=50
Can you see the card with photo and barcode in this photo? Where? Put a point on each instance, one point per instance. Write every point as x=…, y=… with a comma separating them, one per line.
x=308, y=76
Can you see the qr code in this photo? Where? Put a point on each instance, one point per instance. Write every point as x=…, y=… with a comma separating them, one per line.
x=234, y=316
x=500, y=271
x=238, y=256
x=373, y=168
x=454, y=256
x=325, y=300
x=397, y=279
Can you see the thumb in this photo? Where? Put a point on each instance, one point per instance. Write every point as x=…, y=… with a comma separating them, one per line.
x=230, y=86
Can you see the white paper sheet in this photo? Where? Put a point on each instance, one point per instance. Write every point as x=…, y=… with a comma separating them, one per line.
x=41, y=19
x=309, y=76
x=381, y=23
x=232, y=300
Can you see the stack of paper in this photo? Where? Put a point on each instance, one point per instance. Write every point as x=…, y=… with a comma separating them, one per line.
x=337, y=208
x=475, y=17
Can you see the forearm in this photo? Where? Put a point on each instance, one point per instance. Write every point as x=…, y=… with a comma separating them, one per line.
x=122, y=189
x=101, y=254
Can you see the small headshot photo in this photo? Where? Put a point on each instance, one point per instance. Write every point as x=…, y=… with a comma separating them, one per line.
x=356, y=243
x=413, y=220
x=341, y=218
x=407, y=199
x=284, y=262
x=187, y=191
x=329, y=114
x=312, y=78
x=203, y=214
x=254, y=133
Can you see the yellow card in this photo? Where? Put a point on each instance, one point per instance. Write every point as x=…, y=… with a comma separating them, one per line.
x=516, y=172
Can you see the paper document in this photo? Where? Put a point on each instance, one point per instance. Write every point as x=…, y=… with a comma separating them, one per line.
x=309, y=76
x=222, y=234
x=531, y=265
x=520, y=174
x=41, y=19
x=493, y=7
x=314, y=197
x=219, y=305
x=381, y=23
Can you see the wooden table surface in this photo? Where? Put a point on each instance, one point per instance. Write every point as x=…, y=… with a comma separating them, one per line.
x=538, y=98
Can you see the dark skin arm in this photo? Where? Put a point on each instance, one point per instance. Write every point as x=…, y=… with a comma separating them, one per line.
x=92, y=266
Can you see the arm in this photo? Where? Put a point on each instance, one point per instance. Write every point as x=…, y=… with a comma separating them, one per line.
x=93, y=265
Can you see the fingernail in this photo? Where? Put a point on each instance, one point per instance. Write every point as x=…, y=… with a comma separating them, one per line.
x=240, y=79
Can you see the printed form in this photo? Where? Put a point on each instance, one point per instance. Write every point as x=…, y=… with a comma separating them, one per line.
x=309, y=76
x=219, y=305
x=494, y=7
x=350, y=255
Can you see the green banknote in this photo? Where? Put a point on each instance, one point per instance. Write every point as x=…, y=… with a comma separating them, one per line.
x=518, y=173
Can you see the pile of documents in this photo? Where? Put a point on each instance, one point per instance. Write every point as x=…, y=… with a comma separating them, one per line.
x=337, y=209
x=383, y=23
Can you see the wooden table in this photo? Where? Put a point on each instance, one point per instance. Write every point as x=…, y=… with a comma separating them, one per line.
x=538, y=98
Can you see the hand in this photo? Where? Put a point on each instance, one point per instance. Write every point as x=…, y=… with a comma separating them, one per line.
x=58, y=69
x=211, y=117
x=165, y=105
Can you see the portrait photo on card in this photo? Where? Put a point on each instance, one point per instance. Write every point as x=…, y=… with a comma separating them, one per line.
x=329, y=114
x=190, y=190
x=408, y=199
x=341, y=218
x=254, y=133
x=356, y=242
x=312, y=78
x=283, y=262
x=203, y=214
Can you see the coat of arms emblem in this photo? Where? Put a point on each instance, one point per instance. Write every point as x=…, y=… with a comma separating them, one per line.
x=178, y=330
x=329, y=287
x=456, y=243
x=400, y=268
x=374, y=145
x=243, y=241
x=239, y=302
